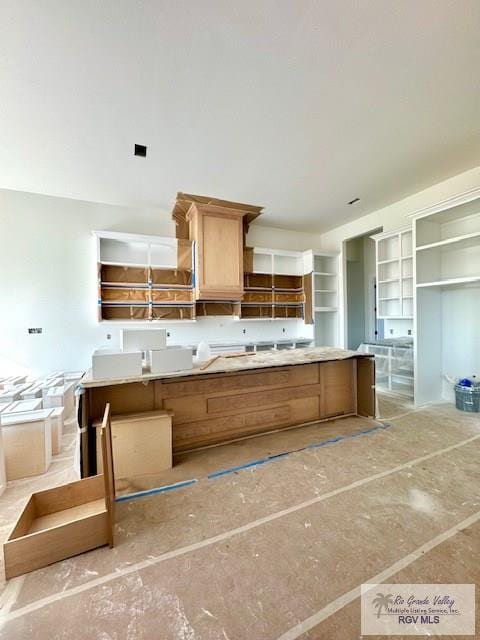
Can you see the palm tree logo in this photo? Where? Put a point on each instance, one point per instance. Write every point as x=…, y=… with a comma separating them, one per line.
x=382, y=602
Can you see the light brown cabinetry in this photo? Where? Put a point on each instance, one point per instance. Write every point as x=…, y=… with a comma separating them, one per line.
x=212, y=408
x=218, y=233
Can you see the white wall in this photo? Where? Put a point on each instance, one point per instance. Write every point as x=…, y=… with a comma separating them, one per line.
x=48, y=275
x=396, y=214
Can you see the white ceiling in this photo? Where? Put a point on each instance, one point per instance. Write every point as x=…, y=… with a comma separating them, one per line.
x=297, y=105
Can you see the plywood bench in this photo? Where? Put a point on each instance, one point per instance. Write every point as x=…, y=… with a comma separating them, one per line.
x=62, y=522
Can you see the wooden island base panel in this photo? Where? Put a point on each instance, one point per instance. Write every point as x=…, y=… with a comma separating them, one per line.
x=241, y=399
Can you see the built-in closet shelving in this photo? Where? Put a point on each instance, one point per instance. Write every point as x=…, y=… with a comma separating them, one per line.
x=394, y=257
x=394, y=266
x=325, y=284
x=447, y=279
x=144, y=277
x=274, y=287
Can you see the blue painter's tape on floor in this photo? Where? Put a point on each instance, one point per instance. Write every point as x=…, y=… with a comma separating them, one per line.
x=151, y=492
x=381, y=426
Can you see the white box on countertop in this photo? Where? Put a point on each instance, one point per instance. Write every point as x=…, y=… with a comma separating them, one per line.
x=170, y=359
x=114, y=363
x=143, y=339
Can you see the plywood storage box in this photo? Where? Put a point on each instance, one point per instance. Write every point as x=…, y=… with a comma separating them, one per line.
x=14, y=392
x=141, y=444
x=56, y=416
x=60, y=397
x=13, y=381
x=62, y=522
x=3, y=475
x=21, y=406
x=27, y=442
x=33, y=392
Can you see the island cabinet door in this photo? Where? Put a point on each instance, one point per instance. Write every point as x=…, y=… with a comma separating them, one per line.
x=218, y=233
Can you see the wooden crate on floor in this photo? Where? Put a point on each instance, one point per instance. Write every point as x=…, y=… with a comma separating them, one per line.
x=141, y=444
x=62, y=522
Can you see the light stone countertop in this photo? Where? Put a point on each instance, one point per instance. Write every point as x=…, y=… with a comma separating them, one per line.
x=259, y=360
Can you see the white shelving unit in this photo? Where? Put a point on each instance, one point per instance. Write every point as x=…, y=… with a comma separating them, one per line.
x=140, y=278
x=395, y=306
x=118, y=249
x=274, y=288
x=393, y=367
x=394, y=267
x=447, y=294
x=325, y=296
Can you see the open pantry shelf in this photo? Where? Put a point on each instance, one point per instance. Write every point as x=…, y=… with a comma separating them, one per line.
x=447, y=294
x=451, y=282
x=135, y=285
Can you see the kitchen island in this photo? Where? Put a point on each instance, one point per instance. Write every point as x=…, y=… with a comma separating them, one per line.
x=237, y=397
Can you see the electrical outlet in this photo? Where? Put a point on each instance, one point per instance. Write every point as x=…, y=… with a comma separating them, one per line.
x=35, y=330
x=283, y=329
x=109, y=336
x=409, y=332
x=391, y=332
x=244, y=331
x=168, y=334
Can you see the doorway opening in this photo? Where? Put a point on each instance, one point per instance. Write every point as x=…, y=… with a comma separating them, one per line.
x=360, y=290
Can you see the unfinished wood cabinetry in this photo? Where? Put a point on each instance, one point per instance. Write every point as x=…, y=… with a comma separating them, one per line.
x=62, y=522
x=144, y=277
x=218, y=233
x=212, y=408
x=274, y=285
x=218, y=228
x=141, y=445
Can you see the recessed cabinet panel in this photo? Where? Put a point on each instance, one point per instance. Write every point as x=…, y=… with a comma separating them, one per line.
x=222, y=267
x=218, y=233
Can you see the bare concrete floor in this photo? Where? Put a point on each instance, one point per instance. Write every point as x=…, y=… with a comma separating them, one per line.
x=278, y=550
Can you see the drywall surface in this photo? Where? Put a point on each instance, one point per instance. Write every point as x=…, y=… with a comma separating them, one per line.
x=460, y=339
x=396, y=214
x=49, y=281
x=273, y=238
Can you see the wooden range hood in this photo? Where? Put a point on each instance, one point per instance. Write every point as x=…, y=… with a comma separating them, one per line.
x=219, y=228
